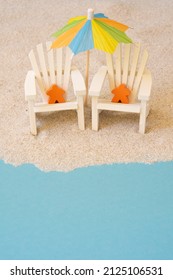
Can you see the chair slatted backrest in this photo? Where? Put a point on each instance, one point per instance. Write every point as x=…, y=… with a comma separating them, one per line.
x=51, y=63
x=110, y=67
x=118, y=65
x=48, y=67
x=128, y=68
x=126, y=63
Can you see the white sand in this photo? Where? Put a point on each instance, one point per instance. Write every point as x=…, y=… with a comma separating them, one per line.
x=59, y=144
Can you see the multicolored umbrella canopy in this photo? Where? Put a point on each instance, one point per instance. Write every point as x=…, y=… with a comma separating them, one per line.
x=84, y=33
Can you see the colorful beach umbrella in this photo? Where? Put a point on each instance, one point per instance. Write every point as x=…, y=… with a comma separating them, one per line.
x=84, y=33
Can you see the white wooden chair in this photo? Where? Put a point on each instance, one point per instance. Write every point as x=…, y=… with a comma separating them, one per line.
x=131, y=72
x=50, y=71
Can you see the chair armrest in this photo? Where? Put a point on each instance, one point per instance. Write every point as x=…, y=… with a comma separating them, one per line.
x=97, y=82
x=145, y=87
x=78, y=83
x=30, y=86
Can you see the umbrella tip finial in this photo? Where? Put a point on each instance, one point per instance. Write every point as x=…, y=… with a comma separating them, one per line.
x=90, y=14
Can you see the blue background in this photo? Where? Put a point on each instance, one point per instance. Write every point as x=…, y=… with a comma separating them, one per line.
x=120, y=211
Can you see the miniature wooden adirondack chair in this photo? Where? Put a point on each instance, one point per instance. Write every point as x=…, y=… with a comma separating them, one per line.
x=49, y=74
x=134, y=75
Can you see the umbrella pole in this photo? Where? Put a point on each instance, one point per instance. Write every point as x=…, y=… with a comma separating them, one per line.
x=87, y=75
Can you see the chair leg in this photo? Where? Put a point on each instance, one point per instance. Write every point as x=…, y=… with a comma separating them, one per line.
x=95, y=113
x=32, y=118
x=80, y=112
x=148, y=108
x=143, y=116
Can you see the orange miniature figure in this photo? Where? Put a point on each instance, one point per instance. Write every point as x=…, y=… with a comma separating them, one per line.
x=121, y=94
x=55, y=94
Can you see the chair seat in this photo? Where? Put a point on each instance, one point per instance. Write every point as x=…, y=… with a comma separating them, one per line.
x=44, y=107
x=104, y=104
